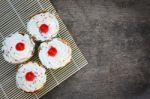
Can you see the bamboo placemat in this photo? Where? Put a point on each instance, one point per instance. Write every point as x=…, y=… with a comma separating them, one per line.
x=13, y=17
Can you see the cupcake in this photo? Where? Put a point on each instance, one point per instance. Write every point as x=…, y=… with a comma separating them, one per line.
x=30, y=77
x=18, y=48
x=43, y=26
x=55, y=54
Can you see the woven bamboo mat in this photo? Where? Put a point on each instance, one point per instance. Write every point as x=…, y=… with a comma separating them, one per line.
x=13, y=17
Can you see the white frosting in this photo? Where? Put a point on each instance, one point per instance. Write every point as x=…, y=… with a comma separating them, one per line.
x=37, y=83
x=9, y=48
x=43, y=18
x=62, y=57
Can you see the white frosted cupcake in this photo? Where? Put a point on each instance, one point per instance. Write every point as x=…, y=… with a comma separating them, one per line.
x=18, y=48
x=55, y=54
x=43, y=26
x=30, y=77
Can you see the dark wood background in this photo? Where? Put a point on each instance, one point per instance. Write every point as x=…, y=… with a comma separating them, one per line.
x=114, y=36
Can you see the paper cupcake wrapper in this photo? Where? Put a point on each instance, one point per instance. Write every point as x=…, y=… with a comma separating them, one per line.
x=13, y=17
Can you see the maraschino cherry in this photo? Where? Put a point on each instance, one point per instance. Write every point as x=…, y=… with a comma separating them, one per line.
x=20, y=46
x=29, y=76
x=52, y=51
x=44, y=28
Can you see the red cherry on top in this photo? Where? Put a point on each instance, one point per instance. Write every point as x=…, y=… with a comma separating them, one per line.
x=52, y=51
x=20, y=46
x=44, y=28
x=29, y=76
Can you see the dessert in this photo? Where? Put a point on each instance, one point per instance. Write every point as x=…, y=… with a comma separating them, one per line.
x=55, y=54
x=43, y=26
x=18, y=48
x=30, y=77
